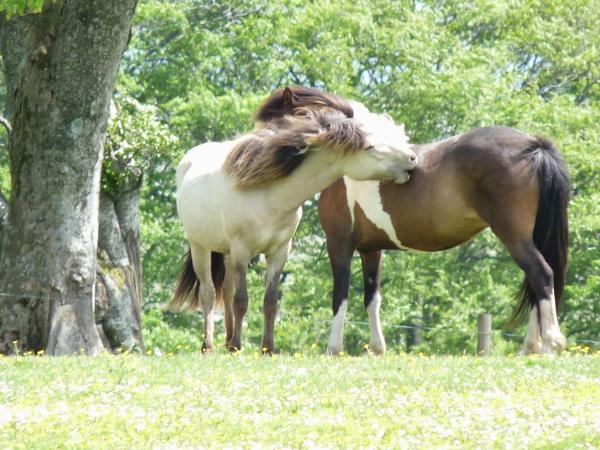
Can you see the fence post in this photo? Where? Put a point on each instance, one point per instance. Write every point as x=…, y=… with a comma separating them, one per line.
x=484, y=334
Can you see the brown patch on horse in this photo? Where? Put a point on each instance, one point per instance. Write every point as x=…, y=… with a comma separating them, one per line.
x=290, y=100
x=276, y=150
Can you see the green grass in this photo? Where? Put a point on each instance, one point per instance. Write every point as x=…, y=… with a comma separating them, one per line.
x=247, y=401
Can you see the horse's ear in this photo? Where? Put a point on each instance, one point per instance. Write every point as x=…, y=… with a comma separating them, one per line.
x=288, y=97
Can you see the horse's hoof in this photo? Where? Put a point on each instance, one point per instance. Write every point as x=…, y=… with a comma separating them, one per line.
x=555, y=343
x=377, y=349
x=531, y=347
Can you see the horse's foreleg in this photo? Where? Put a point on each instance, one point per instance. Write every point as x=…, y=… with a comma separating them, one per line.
x=275, y=263
x=371, y=263
x=228, y=293
x=340, y=263
x=201, y=261
x=239, y=264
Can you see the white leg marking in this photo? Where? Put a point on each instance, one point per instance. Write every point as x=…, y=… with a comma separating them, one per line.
x=366, y=194
x=552, y=339
x=336, y=338
x=377, y=342
x=533, y=343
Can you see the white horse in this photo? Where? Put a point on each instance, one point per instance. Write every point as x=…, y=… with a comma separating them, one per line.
x=243, y=197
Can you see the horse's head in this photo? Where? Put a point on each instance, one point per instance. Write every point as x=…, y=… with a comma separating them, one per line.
x=387, y=155
x=294, y=99
x=375, y=147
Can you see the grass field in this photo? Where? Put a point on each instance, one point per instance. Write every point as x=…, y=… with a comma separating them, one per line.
x=246, y=401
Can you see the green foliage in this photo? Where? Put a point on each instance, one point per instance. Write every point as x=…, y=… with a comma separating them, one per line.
x=169, y=333
x=195, y=71
x=300, y=401
x=136, y=142
x=18, y=7
x=439, y=67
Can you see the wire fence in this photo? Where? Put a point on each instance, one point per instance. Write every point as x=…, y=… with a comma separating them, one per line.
x=447, y=330
x=450, y=331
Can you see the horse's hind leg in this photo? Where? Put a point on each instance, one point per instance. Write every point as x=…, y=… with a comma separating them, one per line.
x=371, y=263
x=201, y=260
x=275, y=263
x=541, y=280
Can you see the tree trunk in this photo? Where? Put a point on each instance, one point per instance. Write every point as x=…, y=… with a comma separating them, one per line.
x=60, y=67
x=118, y=288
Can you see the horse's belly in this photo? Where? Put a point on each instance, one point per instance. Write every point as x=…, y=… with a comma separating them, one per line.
x=263, y=232
x=217, y=216
x=432, y=239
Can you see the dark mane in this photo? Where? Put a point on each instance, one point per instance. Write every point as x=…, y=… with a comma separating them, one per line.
x=277, y=149
x=290, y=99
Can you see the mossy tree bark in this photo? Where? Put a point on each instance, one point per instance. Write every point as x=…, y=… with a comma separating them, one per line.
x=119, y=277
x=60, y=67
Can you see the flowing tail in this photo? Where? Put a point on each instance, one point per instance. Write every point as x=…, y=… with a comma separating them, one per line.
x=188, y=284
x=551, y=231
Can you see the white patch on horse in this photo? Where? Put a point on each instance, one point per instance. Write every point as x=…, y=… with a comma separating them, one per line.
x=552, y=339
x=366, y=194
x=336, y=338
x=533, y=343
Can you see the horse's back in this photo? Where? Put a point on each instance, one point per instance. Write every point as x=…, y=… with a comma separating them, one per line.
x=489, y=151
x=206, y=158
x=452, y=195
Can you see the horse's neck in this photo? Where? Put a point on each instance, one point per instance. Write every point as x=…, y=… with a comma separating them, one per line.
x=318, y=170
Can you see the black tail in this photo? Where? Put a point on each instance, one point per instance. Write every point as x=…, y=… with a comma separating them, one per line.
x=188, y=284
x=551, y=232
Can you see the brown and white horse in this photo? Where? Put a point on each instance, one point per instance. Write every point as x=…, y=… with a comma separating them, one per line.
x=493, y=177
x=243, y=197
